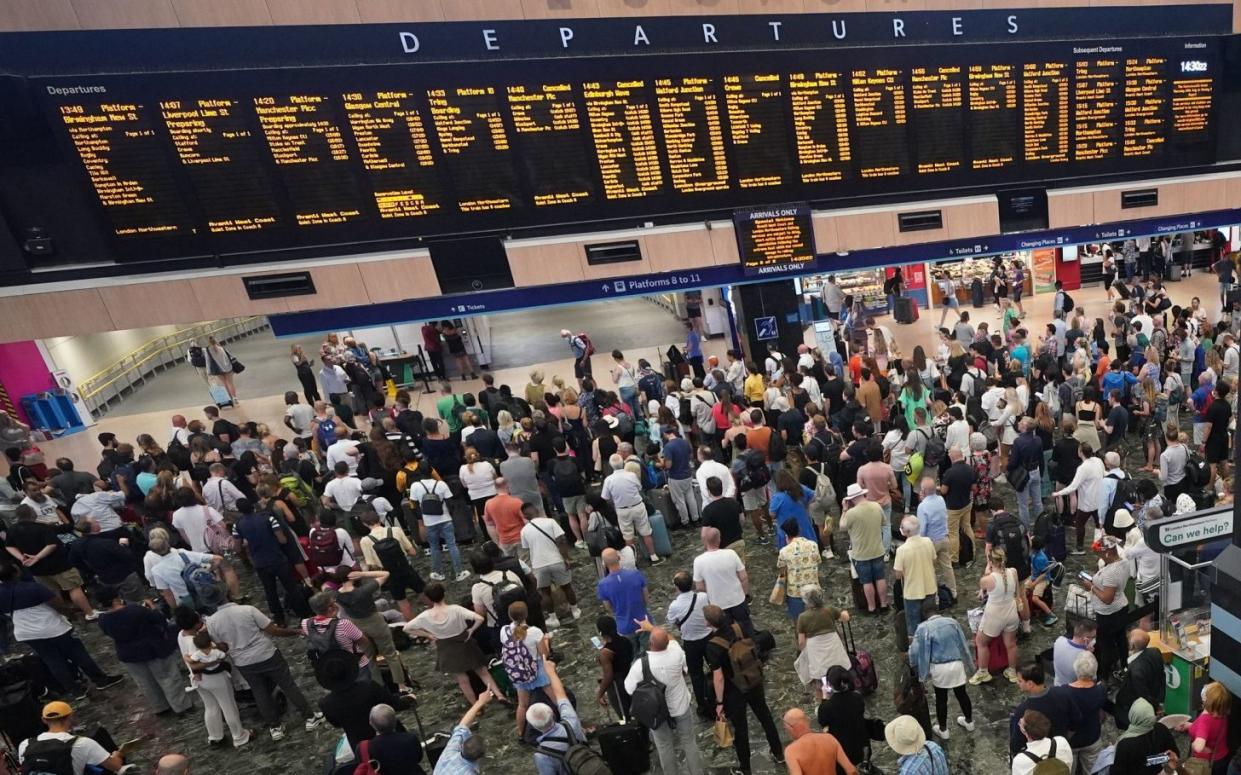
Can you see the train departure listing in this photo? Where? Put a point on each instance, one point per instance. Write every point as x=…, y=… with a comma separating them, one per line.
x=214, y=161
x=120, y=148
x=476, y=148
x=308, y=147
x=622, y=124
x=214, y=142
x=391, y=133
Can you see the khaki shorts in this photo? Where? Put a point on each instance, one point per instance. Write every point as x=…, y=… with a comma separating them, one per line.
x=1038, y=589
x=633, y=519
x=574, y=504
x=552, y=574
x=752, y=500
x=61, y=582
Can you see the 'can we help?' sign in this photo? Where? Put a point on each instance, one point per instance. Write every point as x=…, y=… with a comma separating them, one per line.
x=1179, y=531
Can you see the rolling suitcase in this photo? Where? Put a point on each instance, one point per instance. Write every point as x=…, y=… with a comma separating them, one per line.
x=434, y=745
x=625, y=747
x=904, y=311
x=659, y=534
x=219, y=394
x=659, y=501
x=462, y=520
x=966, y=553
x=997, y=656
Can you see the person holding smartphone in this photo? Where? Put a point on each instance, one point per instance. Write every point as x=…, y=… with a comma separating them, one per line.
x=1144, y=743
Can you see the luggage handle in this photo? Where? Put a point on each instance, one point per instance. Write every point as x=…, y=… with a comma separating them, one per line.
x=850, y=643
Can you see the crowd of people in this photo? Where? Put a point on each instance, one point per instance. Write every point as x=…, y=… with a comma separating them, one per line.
x=859, y=465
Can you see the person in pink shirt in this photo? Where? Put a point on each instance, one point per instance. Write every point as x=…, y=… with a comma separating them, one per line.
x=1208, y=734
x=880, y=483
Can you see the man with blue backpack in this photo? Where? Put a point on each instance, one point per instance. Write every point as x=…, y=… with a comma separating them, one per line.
x=181, y=576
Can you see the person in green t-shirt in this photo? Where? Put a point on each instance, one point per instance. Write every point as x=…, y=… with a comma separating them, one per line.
x=447, y=408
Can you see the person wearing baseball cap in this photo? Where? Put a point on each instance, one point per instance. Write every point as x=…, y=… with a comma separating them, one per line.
x=1107, y=596
x=48, y=751
x=863, y=520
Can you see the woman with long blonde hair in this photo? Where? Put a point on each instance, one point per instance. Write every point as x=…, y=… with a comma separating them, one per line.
x=1000, y=616
x=479, y=478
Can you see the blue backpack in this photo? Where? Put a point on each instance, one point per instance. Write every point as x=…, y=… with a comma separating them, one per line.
x=325, y=434
x=197, y=578
x=654, y=475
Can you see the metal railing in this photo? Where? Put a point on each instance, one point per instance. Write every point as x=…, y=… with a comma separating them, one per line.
x=110, y=385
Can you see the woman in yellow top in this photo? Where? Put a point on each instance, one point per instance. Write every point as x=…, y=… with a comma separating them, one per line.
x=755, y=385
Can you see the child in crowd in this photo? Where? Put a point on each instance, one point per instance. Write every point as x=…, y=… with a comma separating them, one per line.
x=1040, y=577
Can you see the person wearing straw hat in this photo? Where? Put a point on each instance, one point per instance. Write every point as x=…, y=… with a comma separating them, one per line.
x=39, y=753
x=916, y=755
x=863, y=520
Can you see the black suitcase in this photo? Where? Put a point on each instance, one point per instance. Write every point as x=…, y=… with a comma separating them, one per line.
x=432, y=746
x=463, y=526
x=904, y=309
x=966, y=552
x=977, y=296
x=625, y=747
x=859, y=597
x=660, y=499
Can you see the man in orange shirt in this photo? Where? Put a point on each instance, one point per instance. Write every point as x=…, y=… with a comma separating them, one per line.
x=871, y=399
x=1105, y=363
x=812, y=752
x=759, y=437
x=502, y=515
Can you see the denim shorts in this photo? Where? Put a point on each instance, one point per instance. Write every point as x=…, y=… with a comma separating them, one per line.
x=869, y=571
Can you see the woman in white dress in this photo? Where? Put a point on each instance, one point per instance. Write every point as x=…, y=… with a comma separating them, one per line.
x=220, y=364
x=817, y=638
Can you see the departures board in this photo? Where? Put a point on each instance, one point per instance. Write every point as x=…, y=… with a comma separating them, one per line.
x=260, y=159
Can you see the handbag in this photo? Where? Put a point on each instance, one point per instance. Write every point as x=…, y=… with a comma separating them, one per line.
x=237, y=365
x=1018, y=478
x=777, y=592
x=723, y=733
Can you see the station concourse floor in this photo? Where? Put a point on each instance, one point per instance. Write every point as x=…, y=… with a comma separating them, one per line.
x=982, y=752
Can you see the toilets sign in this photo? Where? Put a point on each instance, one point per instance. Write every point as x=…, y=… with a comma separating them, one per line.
x=1199, y=528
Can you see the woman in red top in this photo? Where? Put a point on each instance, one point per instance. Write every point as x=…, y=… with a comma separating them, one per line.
x=1209, y=732
x=724, y=411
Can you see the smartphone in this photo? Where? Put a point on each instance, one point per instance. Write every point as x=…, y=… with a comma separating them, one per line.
x=596, y=641
x=1084, y=576
x=1156, y=759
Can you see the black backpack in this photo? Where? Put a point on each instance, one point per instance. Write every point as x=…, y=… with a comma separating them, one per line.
x=320, y=643
x=179, y=454
x=1010, y=534
x=649, y=701
x=935, y=450
x=391, y=555
x=579, y=758
x=685, y=413
x=48, y=757
x=1125, y=490
x=504, y=593
x=430, y=503
x=567, y=477
x=1067, y=304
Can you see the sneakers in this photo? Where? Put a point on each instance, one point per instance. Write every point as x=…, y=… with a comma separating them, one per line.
x=942, y=734
x=109, y=681
x=463, y=575
x=92, y=616
x=277, y=733
x=1077, y=552
x=552, y=621
x=582, y=545
x=437, y=576
x=314, y=721
x=968, y=726
x=577, y=613
x=828, y=554
x=763, y=539
x=1050, y=619
x=246, y=736
x=1010, y=674
x=980, y=677
x=656, y=559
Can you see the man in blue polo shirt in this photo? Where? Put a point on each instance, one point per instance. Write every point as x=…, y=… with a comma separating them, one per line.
x=625, y=596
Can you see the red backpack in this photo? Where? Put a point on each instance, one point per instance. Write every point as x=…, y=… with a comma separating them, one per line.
x=590, y=347
x=324, y=548
x=364, y=760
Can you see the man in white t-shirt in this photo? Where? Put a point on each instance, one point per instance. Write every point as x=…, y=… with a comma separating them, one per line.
x=432, y=497
x=344, y=490
x=665, y=661
x=219, y=492
x=345, y=449
x=180, y=432
x=721, y=574
x=46, y=511
x=191, y=519
x=58, y=716
x=298, y=417
x=708, y=467
x=543, y=539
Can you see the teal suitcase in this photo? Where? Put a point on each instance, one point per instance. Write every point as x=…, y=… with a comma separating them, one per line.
x=659, y=534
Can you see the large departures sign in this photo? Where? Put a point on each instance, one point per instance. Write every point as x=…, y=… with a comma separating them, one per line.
x=239, y=160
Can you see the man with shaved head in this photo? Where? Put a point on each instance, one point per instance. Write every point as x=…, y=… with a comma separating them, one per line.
x=624, y=595
x=665, y=662
x=173, y=764
x=721, y=574
x=812, y=752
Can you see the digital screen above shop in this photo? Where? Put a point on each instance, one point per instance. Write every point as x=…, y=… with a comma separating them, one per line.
x=236, y=161
x=775, y=239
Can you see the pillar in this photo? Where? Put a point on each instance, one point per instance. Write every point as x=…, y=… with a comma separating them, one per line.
x=760, y=301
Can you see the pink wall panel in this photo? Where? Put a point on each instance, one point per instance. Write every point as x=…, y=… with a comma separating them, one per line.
x=22, y=372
